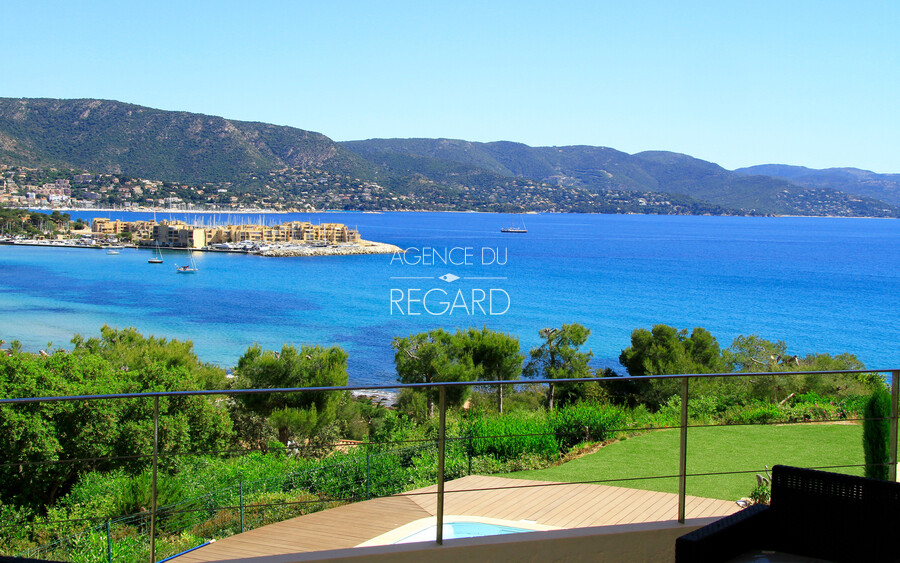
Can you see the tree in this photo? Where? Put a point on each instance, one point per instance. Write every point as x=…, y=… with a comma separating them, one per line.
x=297, y=413
x=835, y=384
x=558, y=357
x=186, y=423
x=39, y=434
x=129, y=350
x=432, y=357
x=61, y=220
x=755, y=354
x=668, y=351
x=665, y=350
x=65, y=431
x=495, y=354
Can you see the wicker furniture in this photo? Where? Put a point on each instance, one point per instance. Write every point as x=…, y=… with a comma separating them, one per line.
x=812, y=513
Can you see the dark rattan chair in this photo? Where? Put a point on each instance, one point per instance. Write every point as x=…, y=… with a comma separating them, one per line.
x=812, y=513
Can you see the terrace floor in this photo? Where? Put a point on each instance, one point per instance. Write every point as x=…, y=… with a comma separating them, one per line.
x=546, y=504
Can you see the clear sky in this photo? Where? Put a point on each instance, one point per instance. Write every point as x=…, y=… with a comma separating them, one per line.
x=812, y=83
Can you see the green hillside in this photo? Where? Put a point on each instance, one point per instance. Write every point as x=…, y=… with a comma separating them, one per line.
x=113, y=137
x=282, y=167
x=597, y=169
x=885, y=187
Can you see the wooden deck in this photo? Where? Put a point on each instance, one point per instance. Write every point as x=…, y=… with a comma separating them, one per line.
x=542, y=502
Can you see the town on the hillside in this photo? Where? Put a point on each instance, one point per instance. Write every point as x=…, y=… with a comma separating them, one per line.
x=308, y=190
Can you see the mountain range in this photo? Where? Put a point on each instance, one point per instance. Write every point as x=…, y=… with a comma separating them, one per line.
x=885, y=187
x=103, y=136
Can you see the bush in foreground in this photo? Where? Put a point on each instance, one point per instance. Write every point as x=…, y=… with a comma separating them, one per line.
x=876, y=430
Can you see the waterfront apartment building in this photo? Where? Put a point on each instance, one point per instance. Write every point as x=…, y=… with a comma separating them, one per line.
x=291, y=232
x=180, y=234
x=108, y=227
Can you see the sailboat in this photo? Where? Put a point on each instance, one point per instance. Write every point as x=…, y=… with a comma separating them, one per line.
x=190, y=269
x=157, y=256
x=515, y=229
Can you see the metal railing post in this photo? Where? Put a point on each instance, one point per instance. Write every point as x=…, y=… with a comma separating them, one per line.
x=153, y=482
x=108, y=543
x=469, y=451
x=368, y=471
x=442, y=429
x=895, y=393
x=242, y=506
x=682, y=451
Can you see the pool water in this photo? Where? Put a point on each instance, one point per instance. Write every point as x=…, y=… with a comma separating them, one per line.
x=455, y=530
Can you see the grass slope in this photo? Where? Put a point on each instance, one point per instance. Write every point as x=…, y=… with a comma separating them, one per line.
x=713, y=449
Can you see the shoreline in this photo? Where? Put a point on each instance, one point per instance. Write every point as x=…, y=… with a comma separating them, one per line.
x=364, y=247
x=254, y=211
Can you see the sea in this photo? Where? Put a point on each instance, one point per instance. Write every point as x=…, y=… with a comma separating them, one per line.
x=822, y=285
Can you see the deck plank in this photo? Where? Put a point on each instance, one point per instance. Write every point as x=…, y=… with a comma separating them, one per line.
x=652, y=508
x=633, y=501
x=557, y=504
x=557, y=515
x=611, y=504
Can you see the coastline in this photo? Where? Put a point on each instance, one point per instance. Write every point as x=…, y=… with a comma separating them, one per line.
x=287, y=251
x=261, y=211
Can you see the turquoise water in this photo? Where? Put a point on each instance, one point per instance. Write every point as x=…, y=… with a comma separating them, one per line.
x=822, y=285
x=456, y=530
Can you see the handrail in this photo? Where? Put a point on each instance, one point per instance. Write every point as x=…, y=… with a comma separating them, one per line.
x=438, y=384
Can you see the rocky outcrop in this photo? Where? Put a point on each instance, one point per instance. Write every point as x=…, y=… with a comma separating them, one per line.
x=364, y=247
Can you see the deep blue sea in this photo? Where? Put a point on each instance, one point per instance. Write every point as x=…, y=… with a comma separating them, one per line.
x=819, y=284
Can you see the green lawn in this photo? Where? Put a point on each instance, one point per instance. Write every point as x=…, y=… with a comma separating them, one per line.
x=713, y=449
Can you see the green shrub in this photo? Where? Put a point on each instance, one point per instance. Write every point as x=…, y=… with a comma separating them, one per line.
x=754, y=413
x=267, y=509
x=811, y=397
x=876, y=433
x=512, y=435
x=585, y=422
x=397, y=431
x=487, y=464
x=413, y=403
x=640, y=418
x=527, y=462
x=805, y=412
x=854, y=405
x=529, y=397
x=15, y=534
x=762, y=494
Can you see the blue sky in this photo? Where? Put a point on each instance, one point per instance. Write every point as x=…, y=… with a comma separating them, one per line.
x=738, y=83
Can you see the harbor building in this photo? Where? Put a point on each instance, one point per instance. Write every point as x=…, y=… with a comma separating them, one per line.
x=181, y=235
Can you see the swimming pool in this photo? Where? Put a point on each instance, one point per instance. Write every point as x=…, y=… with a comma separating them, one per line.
x=456, y=526
x=455, y=530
